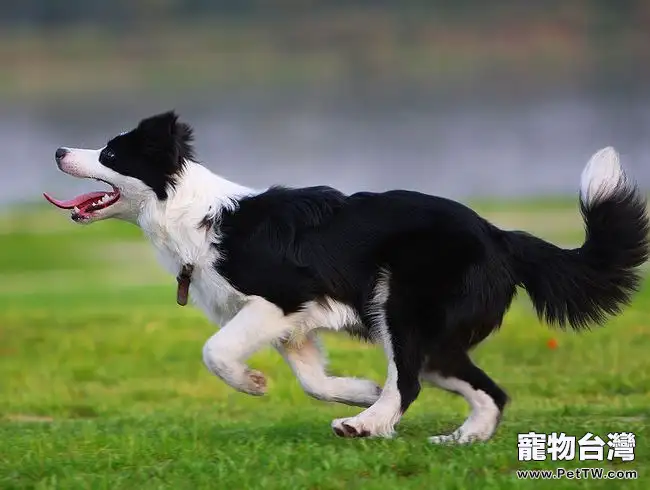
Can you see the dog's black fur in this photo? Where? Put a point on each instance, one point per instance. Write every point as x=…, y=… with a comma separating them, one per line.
x=453, y=275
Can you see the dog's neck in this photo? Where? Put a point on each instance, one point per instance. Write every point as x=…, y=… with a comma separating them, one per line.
x=177, y=226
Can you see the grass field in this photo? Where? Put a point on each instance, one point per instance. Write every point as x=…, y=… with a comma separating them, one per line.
x=102, y=384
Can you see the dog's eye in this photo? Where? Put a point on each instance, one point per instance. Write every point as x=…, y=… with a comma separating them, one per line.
x=106, y=156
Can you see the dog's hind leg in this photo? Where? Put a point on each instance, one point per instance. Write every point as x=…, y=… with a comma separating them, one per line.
x=400, y=390
x=258, y=324
x=307, y=360
x=455, y=372
x=402, y=346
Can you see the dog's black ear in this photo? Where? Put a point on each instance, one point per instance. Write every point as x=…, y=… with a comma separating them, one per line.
x=164, y=146
x=166, y=127
x=184, y=137
x=159, y=125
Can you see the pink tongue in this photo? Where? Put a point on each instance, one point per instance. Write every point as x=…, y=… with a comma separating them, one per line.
x=76, y=201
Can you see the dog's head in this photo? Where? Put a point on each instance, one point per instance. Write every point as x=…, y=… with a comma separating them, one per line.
x=140, y=165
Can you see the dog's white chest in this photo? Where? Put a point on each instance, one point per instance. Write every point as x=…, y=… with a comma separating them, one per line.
x=214, y=295
x=178, y=245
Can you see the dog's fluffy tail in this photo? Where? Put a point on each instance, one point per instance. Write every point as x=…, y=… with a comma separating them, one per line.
x=583, y=286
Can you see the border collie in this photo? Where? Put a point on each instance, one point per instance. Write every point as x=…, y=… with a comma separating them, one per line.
x=425, y=277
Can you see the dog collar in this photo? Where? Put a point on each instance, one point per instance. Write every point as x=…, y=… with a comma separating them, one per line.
x=183, y=278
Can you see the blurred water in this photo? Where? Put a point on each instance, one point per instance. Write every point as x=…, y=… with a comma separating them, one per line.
x=457, y=150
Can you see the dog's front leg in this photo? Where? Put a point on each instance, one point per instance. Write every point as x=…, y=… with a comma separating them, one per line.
x=256, y=325
x=307, y=360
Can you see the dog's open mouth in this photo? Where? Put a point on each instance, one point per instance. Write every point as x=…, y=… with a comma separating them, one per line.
x=85, y=205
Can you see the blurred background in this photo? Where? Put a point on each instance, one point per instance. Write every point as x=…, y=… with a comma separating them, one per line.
x=499, y=104
x=465, y=98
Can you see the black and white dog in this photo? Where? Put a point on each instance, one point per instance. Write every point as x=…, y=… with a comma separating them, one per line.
x=423, y=276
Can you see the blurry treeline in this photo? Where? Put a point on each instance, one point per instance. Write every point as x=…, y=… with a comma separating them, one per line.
x=120, y=12
x=68, y=46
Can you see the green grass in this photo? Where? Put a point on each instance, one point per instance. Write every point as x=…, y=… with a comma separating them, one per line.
x=102, y=384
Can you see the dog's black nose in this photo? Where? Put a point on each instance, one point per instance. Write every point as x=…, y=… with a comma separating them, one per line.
x=60, y=153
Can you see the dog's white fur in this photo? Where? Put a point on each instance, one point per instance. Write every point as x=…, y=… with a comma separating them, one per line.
x=307, y=361
x=601, y=176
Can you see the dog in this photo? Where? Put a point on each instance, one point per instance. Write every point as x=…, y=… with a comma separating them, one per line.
x=425, y=277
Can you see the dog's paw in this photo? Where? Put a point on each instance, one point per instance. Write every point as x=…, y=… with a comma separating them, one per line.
x=358, y=427
x=446, y=439
x=461, y=436
x=255, y=382
x=479, y=426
